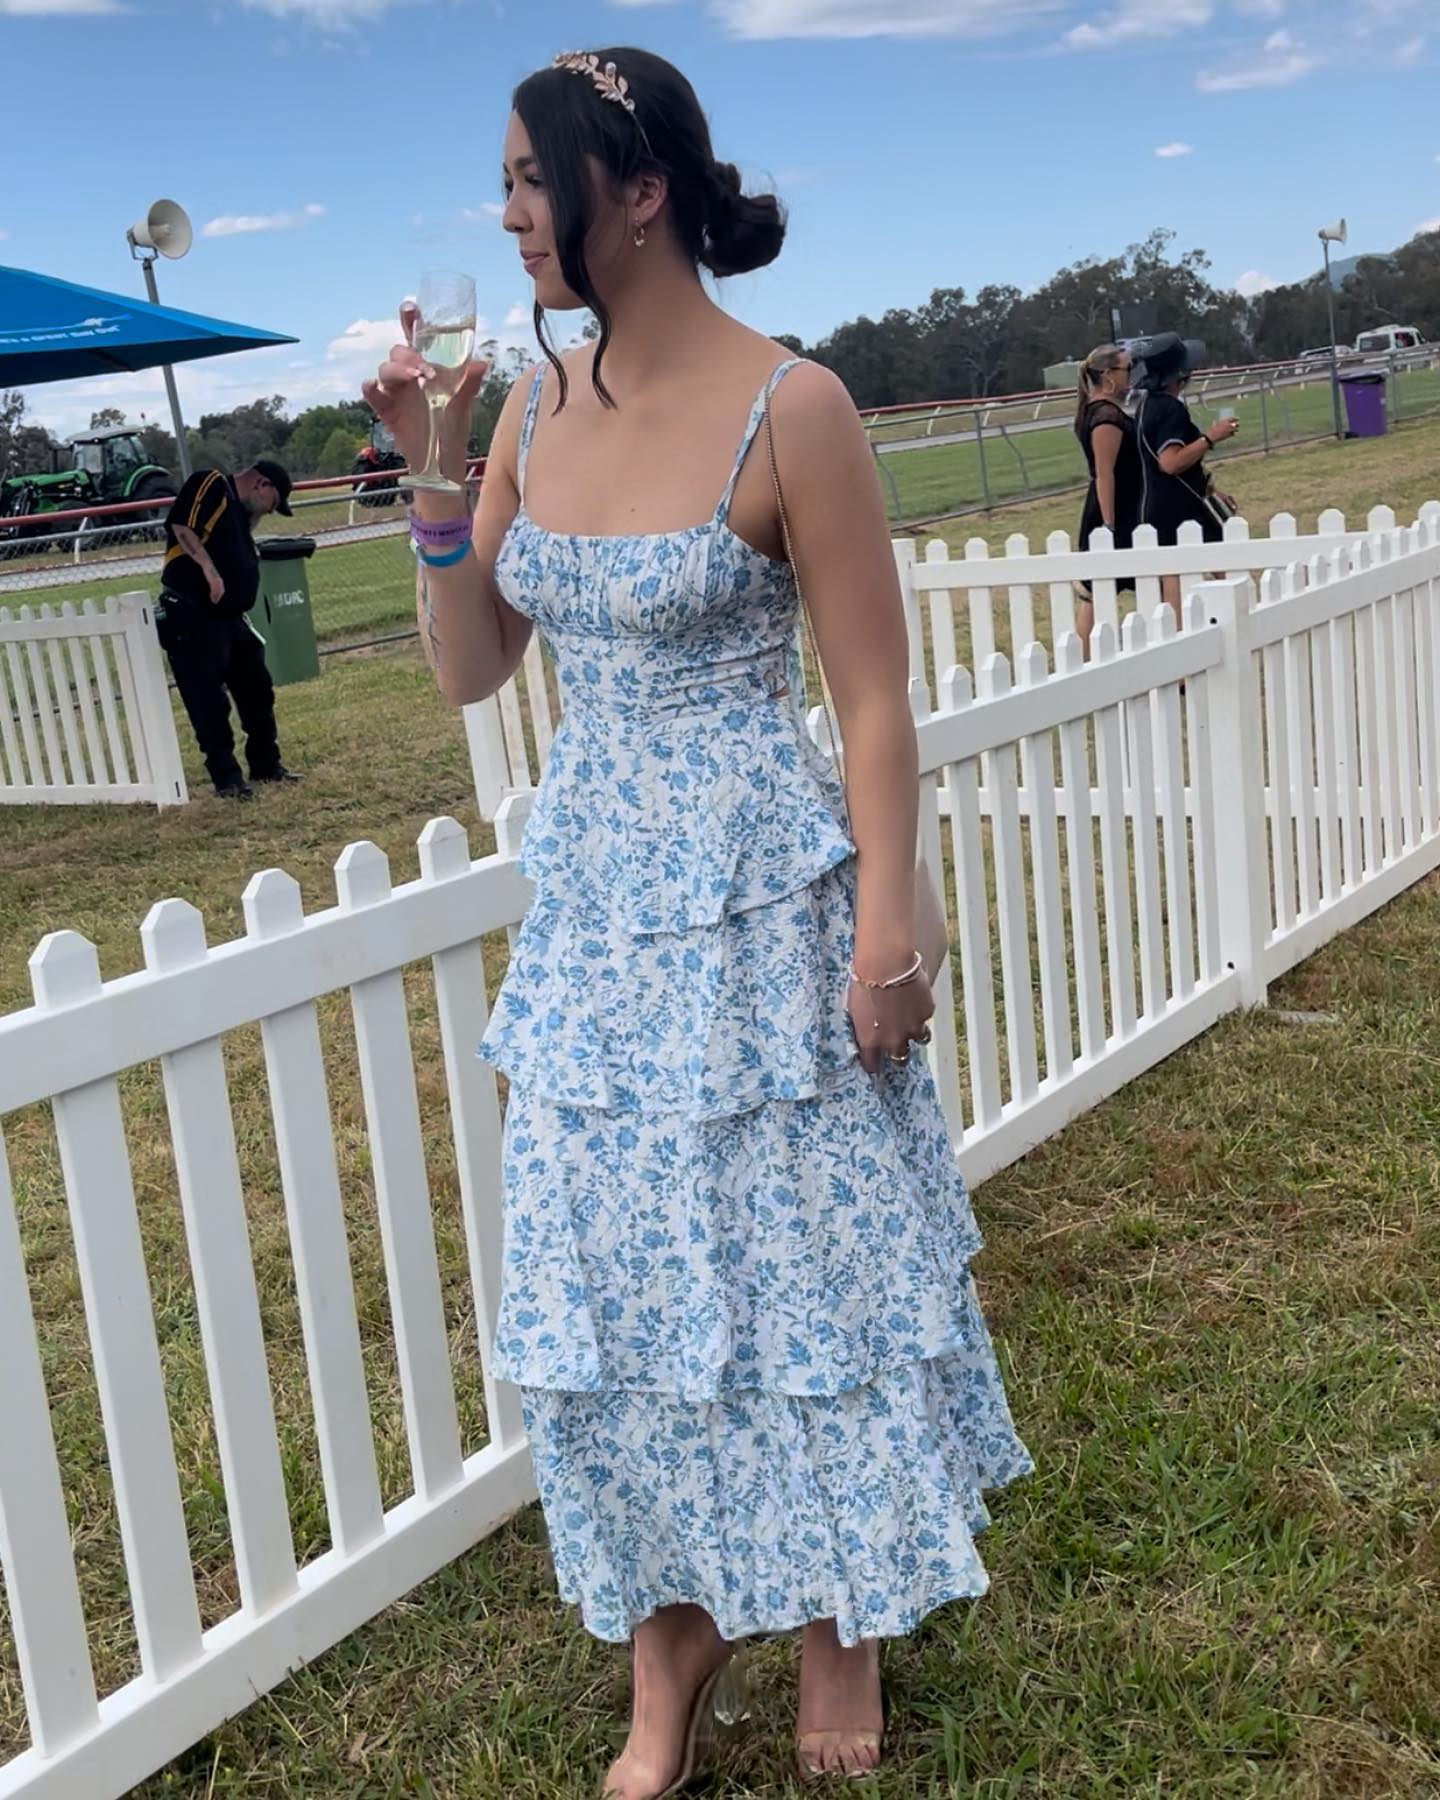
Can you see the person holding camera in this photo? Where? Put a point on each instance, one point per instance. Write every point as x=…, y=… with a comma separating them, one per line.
x=1175, y=483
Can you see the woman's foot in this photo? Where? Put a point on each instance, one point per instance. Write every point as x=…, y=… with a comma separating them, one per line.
x=842, y=1707
x=675, y=1653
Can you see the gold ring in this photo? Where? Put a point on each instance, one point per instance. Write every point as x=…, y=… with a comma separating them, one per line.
x=904, y=1057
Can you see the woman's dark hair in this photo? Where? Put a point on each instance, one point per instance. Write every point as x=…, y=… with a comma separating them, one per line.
x=717, y=225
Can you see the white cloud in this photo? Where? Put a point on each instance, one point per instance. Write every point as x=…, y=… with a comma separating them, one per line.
x=1427, y=225
x=1140, y=21
x=1167, y=151
x=366, y=339
x=517, y=316
x=213, y=385
x=4, y=234
x=62, y=9
x=1280, y=62
x=320, y=370
x=237, y=224
x=1253, y=282
x=327, y=371
x=487, y=209
x=877, y=18
x=1410, y=52
x=327, y=14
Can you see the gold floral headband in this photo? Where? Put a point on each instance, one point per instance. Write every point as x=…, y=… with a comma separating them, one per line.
x=608, y=82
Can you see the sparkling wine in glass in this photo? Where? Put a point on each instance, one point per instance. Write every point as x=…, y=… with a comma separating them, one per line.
x=443, y=331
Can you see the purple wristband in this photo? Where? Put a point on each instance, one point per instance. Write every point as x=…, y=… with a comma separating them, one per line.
x=440, y=534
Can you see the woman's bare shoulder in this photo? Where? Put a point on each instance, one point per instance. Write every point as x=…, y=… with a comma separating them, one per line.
x=813, y=403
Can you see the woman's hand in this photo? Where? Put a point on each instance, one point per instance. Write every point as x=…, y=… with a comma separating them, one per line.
x=397, y=397
x=886, y=1021
x=1222, y=429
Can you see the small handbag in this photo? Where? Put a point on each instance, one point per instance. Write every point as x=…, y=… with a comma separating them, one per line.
x=1220, y=508
x=932, y=932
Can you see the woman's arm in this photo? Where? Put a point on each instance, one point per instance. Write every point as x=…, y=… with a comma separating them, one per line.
x=472, y=640
x=1105, y=442
x=1175, y=459
x=847, y=570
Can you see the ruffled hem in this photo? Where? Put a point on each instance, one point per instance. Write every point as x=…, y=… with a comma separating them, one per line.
x=703, y=1025
x=687, y=825
x=769, y=1510
x=803, y=1248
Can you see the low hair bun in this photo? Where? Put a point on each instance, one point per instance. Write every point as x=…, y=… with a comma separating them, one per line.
x=742, y=231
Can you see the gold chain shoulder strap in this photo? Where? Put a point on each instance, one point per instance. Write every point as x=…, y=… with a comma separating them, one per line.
x=806, y=622
x=931, y=927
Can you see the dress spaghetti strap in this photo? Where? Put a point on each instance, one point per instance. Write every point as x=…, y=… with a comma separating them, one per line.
x=757, y=414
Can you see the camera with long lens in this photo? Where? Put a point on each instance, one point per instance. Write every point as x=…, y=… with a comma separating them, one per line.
x=1158, y=360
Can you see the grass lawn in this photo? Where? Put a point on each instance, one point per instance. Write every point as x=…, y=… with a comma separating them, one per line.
x=1401, y=471
x=366, y=590
x=1217, y=1298
x=948, y=477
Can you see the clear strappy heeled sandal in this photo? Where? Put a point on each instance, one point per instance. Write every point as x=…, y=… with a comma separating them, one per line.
x=720, y=1707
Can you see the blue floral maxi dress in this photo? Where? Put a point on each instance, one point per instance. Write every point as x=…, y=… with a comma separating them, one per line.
x=737, y=1293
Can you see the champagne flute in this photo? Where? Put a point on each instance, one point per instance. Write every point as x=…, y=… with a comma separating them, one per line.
x=443, y=331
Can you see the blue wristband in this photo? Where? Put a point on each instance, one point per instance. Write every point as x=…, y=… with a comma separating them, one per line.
x=445, y=561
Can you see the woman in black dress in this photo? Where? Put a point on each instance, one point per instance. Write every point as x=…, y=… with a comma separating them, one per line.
x=1107, y=436
x=1175, y=485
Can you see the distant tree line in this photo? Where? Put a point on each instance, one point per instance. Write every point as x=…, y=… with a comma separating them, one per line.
x=1001, y=340
x=321, y=440
x=953, y=347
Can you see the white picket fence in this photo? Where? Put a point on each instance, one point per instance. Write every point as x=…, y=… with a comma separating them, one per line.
x=961, y=609
x=85, y=711
x=1229, y=797
x=1137, y=845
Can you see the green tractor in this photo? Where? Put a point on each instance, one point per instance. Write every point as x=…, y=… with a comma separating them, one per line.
x=93, y=468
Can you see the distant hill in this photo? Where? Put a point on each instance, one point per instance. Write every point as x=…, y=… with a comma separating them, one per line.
x=1339, y=270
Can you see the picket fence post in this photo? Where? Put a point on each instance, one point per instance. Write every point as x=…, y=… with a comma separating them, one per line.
x=1238, y=783
x=155, y=718
x=906, y=557
x=489, y=762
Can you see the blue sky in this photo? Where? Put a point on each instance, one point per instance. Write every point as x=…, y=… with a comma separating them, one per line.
x=328, y=150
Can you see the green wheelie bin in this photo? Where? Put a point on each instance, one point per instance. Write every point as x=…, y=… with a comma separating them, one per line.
x=281, y=613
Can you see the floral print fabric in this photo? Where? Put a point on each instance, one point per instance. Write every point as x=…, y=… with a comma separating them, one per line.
x=736, y=1292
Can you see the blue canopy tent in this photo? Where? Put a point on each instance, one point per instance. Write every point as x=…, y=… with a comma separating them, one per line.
x=56, y=331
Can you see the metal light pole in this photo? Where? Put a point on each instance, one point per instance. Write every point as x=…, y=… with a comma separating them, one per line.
x=166, y=231
x=1333, y=234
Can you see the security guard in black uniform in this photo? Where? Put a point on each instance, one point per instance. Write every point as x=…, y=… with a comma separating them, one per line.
x=210, y=580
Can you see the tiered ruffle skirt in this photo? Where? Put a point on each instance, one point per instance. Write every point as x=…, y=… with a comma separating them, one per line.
x=737, y=1294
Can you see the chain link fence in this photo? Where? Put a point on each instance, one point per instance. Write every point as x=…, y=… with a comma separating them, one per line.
x=941, y=461
x=361, y=577
x=936, y=462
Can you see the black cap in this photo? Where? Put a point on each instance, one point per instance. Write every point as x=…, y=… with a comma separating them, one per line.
x=279, y=479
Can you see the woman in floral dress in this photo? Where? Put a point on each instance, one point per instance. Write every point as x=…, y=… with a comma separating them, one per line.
x=737, y=1295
